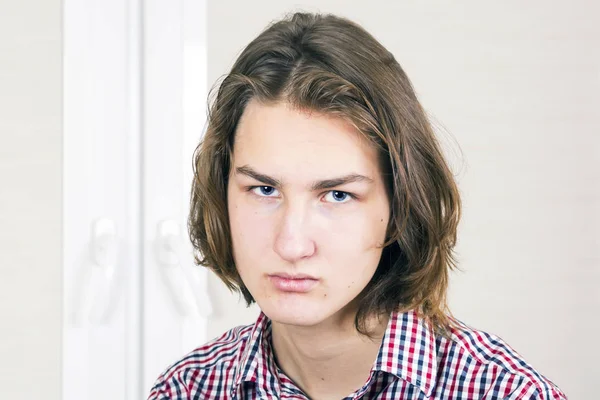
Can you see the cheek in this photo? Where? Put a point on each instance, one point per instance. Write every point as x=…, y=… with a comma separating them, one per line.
x=351, y=247
x=250, y=230
x=351, y=256
x=357, y=233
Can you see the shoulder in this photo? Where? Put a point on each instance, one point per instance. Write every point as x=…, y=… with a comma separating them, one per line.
x=485, y=358
x=213, y=362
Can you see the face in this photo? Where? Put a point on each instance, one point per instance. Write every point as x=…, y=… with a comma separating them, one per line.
x=308, y=212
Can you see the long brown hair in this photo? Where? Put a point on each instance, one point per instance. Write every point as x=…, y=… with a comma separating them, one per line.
x=329, y=64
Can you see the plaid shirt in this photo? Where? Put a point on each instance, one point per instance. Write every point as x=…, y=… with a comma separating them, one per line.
x=412, y=364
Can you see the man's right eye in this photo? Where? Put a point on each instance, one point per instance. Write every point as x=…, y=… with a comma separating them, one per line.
x=263, y=191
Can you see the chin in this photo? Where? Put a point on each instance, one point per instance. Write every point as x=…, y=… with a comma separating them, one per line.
x=294, y=312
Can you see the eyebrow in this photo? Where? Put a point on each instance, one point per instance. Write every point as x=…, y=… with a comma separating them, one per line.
x=316, y=185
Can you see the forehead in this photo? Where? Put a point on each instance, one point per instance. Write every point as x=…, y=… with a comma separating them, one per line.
x=276, y=138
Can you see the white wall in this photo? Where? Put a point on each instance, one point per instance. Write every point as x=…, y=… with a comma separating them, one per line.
x=30, y=198
x=517, y=85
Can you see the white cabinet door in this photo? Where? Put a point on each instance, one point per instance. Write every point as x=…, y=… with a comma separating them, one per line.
x=100, y=201
x=134, y=110
x=175, y=298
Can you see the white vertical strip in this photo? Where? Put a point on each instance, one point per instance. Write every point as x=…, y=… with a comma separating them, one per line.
x=194, y=119
x=175, y=295
x=134, y=307
x=100, y=199
x=163, y=77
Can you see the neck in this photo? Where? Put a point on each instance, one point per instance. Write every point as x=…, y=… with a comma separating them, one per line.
x=328, y=360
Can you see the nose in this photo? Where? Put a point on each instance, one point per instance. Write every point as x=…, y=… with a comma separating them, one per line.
x=293, y=242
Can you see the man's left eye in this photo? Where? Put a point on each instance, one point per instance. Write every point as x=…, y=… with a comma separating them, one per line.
x=336, y=196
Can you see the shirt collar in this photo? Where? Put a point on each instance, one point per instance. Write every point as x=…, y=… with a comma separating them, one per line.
x=256, y=362
x=407, y=351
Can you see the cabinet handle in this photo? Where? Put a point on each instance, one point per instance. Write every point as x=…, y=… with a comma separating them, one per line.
x=182, y=278
x=104, y=253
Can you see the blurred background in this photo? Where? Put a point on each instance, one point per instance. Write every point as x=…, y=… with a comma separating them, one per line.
x=103, y=102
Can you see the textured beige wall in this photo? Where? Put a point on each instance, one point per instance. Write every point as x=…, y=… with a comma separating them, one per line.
x=30, y=199
x=517, y=84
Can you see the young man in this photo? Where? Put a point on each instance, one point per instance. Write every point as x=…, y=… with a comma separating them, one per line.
x=322, y=194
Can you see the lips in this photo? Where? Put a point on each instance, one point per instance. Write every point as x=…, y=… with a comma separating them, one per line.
x=297, y=283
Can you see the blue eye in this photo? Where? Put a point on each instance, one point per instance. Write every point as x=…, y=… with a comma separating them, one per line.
x=338, y=196
x=264, y=191
x=333, y=196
